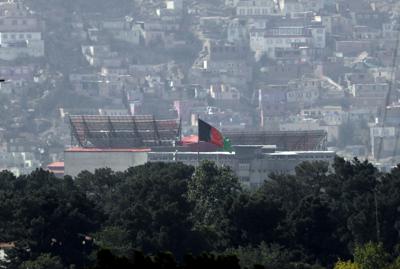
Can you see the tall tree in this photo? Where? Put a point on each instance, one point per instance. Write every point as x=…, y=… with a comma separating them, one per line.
x=151, y=206
x=47, y=215
x=100, y=186
x=255, y=219
x=213, y=189
x=371, y=256
x=314, y=229
x=44, y=261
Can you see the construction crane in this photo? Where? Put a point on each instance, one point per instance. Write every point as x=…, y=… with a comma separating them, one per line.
x=392, y=82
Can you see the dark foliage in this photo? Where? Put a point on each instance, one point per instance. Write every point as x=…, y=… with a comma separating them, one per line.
x=307, y=220
x=44, y=214
x=165, y=260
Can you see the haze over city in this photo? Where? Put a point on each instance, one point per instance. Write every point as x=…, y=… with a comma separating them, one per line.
x=199, y=133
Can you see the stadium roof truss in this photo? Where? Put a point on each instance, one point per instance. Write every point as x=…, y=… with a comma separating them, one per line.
x=284, y=140
x=90, y=131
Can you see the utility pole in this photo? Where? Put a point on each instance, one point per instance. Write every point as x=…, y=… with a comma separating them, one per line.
x=378, y=232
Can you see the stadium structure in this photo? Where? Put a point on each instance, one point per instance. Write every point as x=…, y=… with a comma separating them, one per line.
x=123, y=131
x=120, y=142
x=89, y=131
x=283, y=140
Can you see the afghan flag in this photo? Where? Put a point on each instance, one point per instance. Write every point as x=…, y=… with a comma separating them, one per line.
x=210, y=134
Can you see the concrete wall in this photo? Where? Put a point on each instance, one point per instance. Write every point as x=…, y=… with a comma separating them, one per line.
x=251, y=165
x=19, y=36
x=35, y=48
x=77, y=161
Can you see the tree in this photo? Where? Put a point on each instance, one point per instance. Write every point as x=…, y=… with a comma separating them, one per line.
x=313, y=174
x=352, y=188
x=314, y=229
x=388, y=201
x=99, y=186
x=212, y=190
x=368, y=256
x=151, y=206
x=166, y=260
x=346, y=265
x=371, y=256
x=44, y=261
x=45, y=214
x=207, y=260
x=255, y=218
x=116, y=239
x=286, y=190
x=358, y=201
x=268, y=256
x=306, y=220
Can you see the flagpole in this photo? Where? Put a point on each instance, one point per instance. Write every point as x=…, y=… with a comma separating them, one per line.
x=198, y=142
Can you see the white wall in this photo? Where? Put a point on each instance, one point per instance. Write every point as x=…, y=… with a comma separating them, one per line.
x=77, y=161
x=34, y=49
x=19, y=36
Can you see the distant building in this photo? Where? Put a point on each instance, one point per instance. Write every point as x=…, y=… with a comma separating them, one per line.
x=252, y=163
x=3, y=247
x=291, y=7
x=256, y=8
x=120, y=142
x=154, y=32
x=57, y=168
x=384, y=141
x=290, y=34
x=17, y=44
x=228, y=63
x=101, y=56
x=79, y=159
x=19, y=163
x=224, y=95
x=238, y=33
x=124, y=30
x=20, y=33
x=369, y=95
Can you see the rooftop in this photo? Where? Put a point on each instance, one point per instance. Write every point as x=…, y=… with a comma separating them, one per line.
x=122, y=132
x=81, y=149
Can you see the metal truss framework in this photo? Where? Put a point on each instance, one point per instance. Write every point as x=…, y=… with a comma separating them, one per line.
x=284, y=140
x=123, y=131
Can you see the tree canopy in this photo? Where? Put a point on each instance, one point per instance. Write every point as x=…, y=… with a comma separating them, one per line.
x=343, y=215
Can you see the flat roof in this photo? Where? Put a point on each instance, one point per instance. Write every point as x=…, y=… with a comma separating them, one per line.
x=194, y=153
x=56, y=165
x=80, y=149
x=300, y=152
x=255, y=146
x=96, y=131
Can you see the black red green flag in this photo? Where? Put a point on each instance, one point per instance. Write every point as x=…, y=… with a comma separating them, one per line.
x=210, y=134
